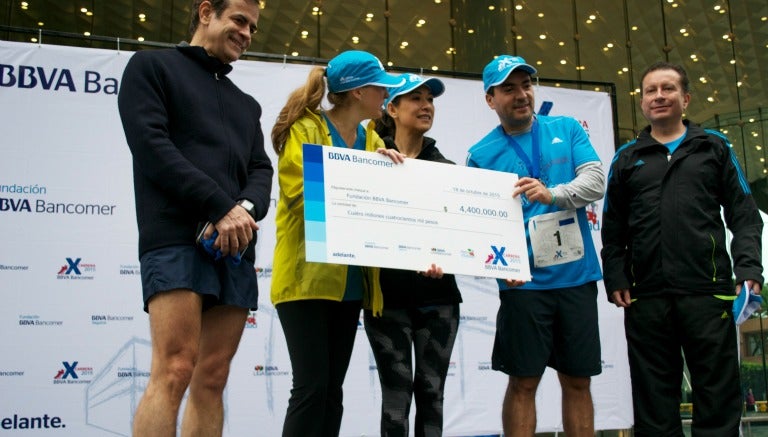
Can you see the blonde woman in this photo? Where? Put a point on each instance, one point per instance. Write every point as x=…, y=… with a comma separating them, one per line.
x=319, y=304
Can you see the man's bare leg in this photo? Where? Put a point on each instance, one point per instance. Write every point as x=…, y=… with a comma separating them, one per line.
x=518, y=414
x=222, y=327
x=578, y=411
x=174, y=321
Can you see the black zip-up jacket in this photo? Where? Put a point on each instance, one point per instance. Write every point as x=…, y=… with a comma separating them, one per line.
x=404, y=289
x=196, y=142
x=662, y=228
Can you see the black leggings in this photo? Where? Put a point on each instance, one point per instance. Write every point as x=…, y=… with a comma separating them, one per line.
x=320, y=336
x=427, y=334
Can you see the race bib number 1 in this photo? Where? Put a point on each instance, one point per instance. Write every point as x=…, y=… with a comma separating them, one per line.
x=555, y=238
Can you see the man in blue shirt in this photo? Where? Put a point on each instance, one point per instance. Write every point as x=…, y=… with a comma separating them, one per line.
x=551, y=320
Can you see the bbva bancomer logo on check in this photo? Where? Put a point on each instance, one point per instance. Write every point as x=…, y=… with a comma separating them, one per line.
x=380, y=162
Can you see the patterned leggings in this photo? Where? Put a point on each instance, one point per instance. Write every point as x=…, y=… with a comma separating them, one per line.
x=399, y=339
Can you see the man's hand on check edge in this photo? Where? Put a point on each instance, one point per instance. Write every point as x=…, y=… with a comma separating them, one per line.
x=534, y=190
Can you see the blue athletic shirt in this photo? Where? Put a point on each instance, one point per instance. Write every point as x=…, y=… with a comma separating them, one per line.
x=563, y=146
x=674, y=144
x=354, y=290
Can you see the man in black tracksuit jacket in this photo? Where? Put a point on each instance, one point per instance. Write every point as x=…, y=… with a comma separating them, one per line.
x=666, y=261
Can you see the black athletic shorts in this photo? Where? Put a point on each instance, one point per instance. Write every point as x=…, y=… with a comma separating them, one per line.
x=556, y=328
x=188, y=267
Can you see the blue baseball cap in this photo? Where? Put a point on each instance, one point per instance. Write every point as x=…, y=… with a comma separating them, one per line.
x=499, y=69
x=413, y=81
x=354, y=69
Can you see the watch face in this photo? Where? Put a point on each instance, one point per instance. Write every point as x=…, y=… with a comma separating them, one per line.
x=247, y=204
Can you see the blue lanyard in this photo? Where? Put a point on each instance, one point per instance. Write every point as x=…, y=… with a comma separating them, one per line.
x=533, y=165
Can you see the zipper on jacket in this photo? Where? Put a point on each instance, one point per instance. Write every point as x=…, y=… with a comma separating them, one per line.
x=714, y=264
x=222, y=112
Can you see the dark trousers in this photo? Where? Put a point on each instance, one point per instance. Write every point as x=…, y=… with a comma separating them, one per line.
x=657, y=328
x=398, y=338
x=320, y=336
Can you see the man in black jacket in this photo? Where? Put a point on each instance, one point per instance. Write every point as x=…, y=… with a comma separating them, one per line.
x=666, y=263
x=202, y=179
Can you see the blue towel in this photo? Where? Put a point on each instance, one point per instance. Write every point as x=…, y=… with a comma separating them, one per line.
x=745, y=304
x=216, y=253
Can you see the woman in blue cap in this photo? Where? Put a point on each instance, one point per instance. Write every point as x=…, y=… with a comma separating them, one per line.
x=420, y=317
x=319, y=304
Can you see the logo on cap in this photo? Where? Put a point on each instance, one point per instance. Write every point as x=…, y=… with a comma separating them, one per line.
x=508, y=62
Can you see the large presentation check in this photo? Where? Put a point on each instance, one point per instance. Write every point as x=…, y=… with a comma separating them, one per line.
x=360, y=208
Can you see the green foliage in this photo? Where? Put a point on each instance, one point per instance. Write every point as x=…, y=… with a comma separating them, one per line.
x=753, y=376
x=764, y=294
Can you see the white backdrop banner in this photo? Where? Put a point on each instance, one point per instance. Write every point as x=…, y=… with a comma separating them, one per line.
x=75, y=339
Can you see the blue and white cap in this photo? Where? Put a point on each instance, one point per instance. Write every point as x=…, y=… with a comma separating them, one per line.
x=413, y=81
x=499, y=69
x=354, y=69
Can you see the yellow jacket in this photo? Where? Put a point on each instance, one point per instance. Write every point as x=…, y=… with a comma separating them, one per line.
x=293, y=278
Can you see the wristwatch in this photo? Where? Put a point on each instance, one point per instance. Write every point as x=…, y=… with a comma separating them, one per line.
x=248, y=205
